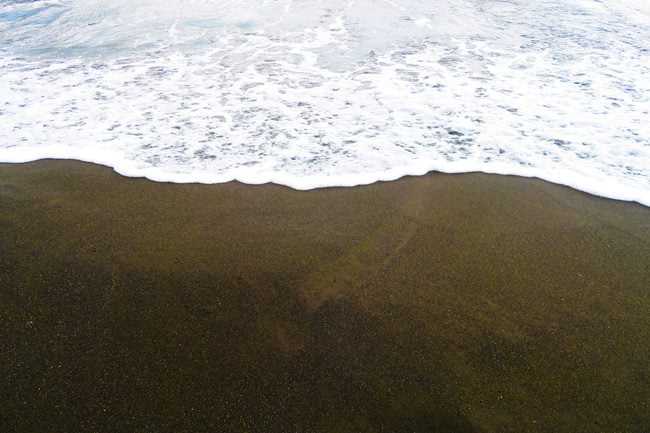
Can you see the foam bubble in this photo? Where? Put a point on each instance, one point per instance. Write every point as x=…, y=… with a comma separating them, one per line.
x=343, y=93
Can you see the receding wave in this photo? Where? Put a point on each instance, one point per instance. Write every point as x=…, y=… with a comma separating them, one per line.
x=325, y=93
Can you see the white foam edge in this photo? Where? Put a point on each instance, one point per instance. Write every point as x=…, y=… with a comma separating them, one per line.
x=127, y=168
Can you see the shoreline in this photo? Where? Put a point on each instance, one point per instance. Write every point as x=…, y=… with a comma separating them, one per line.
x=597, y=188
x=443, y=302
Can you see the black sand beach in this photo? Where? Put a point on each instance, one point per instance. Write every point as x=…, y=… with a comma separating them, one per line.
x=442, y=303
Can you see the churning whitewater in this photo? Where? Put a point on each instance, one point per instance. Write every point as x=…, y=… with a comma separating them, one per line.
x=312, y=93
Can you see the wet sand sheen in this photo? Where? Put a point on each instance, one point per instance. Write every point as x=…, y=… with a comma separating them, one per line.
x=464, y=303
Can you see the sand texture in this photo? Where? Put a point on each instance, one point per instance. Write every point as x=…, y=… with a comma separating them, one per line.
x=442, y=303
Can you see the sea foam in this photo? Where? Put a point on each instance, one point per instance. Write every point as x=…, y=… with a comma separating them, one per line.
x=332, y=93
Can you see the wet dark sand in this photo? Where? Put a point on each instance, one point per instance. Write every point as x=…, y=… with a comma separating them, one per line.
x=443, y=303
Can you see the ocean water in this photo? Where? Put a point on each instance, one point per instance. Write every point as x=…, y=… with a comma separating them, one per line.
x=310, y=93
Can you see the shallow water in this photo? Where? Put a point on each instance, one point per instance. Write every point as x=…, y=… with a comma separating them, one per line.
x=324, y=93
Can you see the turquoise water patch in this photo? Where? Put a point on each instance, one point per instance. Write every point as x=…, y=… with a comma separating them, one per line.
x=20, y=14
